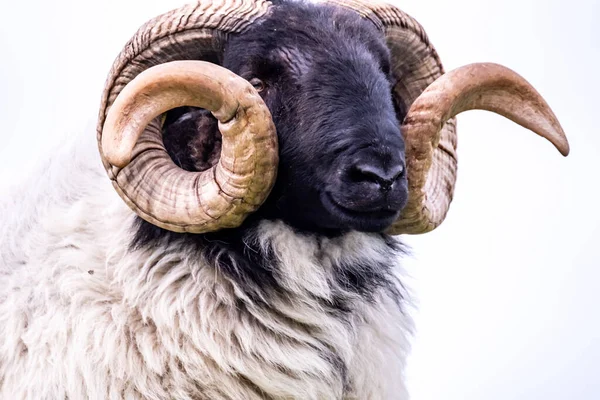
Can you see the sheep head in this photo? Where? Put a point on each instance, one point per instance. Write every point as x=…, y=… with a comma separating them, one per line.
x=324, y=74
x=349, y=172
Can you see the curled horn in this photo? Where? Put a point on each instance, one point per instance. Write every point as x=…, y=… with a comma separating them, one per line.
x=483, y=86
x=154, y=74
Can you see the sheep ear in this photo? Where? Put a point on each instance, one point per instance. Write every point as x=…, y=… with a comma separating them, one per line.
x=194, y=32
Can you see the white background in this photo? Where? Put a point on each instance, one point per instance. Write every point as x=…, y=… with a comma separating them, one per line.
x=509, y=286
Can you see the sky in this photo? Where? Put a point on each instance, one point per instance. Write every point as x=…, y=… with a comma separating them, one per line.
x=508, y=288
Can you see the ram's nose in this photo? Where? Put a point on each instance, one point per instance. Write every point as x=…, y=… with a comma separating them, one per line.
x=381, y=177
x=373, y=180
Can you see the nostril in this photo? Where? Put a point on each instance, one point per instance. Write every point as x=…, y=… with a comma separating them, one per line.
x=397, y=171
x=385, y=178
x=361, y=173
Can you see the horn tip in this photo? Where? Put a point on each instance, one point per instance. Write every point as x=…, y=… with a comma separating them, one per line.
x=560, y=141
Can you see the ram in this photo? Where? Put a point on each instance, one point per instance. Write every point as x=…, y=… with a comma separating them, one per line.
x=265, y=156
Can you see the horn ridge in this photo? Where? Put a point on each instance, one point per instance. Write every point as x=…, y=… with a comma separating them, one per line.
x=129, y=134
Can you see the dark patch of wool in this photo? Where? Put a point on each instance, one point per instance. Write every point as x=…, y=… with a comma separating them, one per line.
x=256, y=270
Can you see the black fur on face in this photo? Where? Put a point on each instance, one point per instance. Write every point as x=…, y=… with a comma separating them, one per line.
x=324, y=74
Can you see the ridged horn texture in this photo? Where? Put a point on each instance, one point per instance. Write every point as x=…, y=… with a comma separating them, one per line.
x=484, y=86
x=433, y=99
x=150, y=77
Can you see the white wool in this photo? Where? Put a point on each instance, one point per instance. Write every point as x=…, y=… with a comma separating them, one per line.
x=84, y=316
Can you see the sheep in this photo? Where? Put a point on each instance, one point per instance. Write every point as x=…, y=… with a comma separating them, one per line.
x=297, y=294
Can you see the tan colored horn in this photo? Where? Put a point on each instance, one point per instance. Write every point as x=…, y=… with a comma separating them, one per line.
x=430, y=126
x=129, y=131
x=161, y=192
x=484, y=86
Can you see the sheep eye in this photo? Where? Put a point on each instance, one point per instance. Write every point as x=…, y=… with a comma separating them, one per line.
x=258, y=84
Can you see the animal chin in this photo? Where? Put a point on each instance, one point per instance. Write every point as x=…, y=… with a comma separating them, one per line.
x=372, y=220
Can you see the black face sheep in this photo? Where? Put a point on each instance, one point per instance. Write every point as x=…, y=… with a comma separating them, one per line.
x=263, y=154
